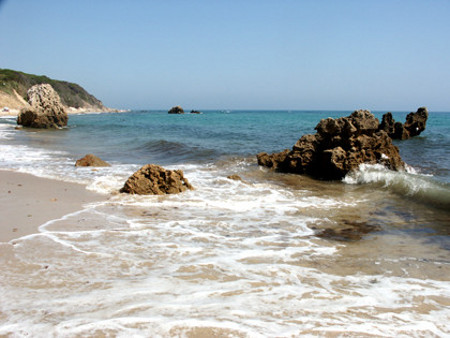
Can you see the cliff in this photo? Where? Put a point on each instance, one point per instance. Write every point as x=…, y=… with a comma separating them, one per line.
x=14, y=86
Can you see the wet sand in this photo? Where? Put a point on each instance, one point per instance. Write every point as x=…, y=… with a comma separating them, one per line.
x=26, y=202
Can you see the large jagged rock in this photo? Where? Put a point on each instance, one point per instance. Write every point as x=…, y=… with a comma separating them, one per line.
x=152, y=179
x=176, y=110
x=91, y=160
x=416, y=122
x=414, y=125
x=339, y=146
x=46, y=109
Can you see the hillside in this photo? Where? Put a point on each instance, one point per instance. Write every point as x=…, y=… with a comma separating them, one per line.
x=14, y=86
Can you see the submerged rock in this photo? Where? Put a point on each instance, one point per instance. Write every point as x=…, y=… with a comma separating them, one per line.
x=414, y=125
x=91, y=160
x=339, y=146
x=348, y=231
x=46, y=109
x=235, y=177
x=176, y=110
x=152, y=179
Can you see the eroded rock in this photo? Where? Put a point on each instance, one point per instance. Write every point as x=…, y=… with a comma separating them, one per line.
x=339, y=146
x=414, y=125
x=46, y=109
x=153, y=179
x=91, y=160
x=176, y=110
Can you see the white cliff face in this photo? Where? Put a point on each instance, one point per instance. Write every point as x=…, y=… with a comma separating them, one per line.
x=46, y=109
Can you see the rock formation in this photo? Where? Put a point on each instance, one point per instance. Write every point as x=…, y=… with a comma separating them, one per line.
x=414, y=125
x=176, y=110
x=339, y=146
x=91, y=160
x=152, y=179
x=15, y=85
x=195, y=112
x=45, y=111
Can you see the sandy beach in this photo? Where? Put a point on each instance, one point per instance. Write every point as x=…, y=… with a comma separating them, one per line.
x=70, y=111
x=9, y=112
x=28, y=202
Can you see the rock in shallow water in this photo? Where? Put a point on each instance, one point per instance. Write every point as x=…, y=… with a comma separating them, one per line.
x=152, y=179
x=414, y=125
x=46, y=109
x=91, y=160
x=339, y=146
x=176, y=110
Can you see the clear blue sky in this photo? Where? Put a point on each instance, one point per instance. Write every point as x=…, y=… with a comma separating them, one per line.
x=249, y=54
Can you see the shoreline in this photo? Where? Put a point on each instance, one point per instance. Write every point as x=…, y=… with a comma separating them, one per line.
x=70, y=111
x=29, y=201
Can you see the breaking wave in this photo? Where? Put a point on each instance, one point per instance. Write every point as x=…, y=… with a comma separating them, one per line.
x=420, y=188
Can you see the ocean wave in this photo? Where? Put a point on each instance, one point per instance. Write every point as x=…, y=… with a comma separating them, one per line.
x=420, y=188
x=7, y=129
x=175, y=152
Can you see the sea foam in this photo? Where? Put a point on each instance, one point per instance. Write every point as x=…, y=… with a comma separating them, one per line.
x=411, y=185
x=231, y=258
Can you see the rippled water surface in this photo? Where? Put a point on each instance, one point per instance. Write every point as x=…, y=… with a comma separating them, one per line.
x=271, y=255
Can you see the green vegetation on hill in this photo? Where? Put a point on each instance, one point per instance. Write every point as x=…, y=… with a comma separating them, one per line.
x=71, y=94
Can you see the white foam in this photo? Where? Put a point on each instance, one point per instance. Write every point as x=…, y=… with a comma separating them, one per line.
x=6, y=131
x=411, y=184
x=170, y=265
x=229, y=258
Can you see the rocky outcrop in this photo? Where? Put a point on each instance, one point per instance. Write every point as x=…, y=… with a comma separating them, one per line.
x=416, y=122
x=195, y=112
x=15, y=84
x=339, y=146
x=91, y=160
x=414, y=125
x=176, y=110
x=152, y=179
x=45, y=111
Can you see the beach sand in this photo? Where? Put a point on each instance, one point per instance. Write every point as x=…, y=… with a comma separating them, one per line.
x=26, y=202
x=70, y=111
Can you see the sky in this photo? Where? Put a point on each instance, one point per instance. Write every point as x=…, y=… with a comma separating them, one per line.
x=227, y=54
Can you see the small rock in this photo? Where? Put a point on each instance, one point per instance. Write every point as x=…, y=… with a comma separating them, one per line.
x=91, y=160
x=176, y=110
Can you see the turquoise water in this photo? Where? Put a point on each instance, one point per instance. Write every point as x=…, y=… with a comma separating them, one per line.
x=231, y=258
x=151, y=136
x=139, y=137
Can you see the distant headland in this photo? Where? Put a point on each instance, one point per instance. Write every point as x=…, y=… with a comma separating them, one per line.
x=15, y=84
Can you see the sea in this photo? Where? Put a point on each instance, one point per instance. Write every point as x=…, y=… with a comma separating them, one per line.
x=270, y=255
